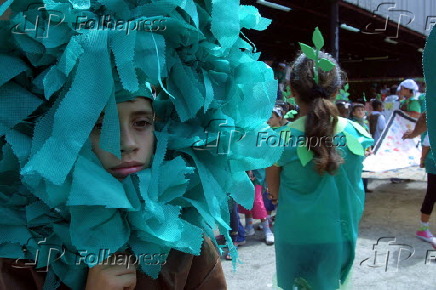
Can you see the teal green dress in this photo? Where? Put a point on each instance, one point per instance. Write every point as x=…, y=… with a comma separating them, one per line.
x=318, y=215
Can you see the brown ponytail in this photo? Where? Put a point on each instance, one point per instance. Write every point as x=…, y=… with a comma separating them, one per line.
x=322, y=116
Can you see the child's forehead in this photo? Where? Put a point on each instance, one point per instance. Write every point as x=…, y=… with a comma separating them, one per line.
x=135, y=107
x=139, y=103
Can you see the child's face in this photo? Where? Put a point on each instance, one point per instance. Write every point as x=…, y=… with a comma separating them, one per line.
x=404, y=92
x=274, y=121
x=137, y=139
x=359, y=112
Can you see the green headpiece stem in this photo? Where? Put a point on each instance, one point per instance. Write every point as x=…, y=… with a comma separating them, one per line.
x=313, y=54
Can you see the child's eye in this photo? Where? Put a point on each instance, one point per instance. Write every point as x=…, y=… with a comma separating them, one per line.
x=140, y=124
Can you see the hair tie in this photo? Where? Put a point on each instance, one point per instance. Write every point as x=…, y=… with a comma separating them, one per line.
x=318, y=92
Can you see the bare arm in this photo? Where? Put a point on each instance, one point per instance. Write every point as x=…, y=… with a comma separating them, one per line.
x=273, y=180
x=425, y=150
x=112, y=277
x=420, y=127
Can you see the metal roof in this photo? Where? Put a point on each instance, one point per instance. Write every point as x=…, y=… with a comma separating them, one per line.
x=417, y=15
x=377, y=48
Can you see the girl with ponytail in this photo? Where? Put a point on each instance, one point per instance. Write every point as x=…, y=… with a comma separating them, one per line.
x=317, y=183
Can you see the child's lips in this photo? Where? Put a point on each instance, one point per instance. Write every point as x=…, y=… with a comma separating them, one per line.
x=126, y=168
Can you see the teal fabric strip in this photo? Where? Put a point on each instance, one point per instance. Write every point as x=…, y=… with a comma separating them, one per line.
x=10, y=67
x=57, y=156
x=429, y=61
x=16, y=104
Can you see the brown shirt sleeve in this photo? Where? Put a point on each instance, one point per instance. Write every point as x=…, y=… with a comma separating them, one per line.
x=185, y=271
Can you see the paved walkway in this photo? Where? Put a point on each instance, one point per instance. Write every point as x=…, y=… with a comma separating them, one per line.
x=391, y=217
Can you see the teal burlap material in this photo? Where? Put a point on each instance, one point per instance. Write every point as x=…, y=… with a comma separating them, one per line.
x=429, y=63
x=62, y=65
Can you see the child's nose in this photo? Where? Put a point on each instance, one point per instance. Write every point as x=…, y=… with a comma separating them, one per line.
x=128, y=141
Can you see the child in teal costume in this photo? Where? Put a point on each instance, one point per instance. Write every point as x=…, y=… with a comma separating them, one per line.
x=358, y=115
x=64, y=81
x=318, y=185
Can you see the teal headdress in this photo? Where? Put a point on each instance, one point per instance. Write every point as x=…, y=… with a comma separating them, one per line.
x=62, y=65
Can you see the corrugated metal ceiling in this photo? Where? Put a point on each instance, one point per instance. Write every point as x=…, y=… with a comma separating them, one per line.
x=418, y=15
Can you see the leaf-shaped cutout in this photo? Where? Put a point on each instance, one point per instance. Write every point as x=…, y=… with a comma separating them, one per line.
x=308, y=51
x=304, y=155
x=361, y=130
x=354, y=145
x=325, y=64
x=346, y=87
x=318, y=39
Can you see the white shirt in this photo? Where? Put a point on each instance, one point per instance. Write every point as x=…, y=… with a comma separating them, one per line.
x=381, y=125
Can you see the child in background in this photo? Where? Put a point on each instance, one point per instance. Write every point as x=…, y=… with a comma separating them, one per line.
x=258, y=211
x=276, y=120
x=237, y=232
x=358, y=115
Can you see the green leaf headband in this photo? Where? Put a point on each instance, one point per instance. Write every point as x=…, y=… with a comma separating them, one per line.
x=313, y=54
x=343, y=94
x=291, y=114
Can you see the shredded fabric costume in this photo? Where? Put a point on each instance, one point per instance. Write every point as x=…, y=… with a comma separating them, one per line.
x=318, y=215
x=59, y=71
x=428, y=63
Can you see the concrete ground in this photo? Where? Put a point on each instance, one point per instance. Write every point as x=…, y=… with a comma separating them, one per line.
x=390, y=220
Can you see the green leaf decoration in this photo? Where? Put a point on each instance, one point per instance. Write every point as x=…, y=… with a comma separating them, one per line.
x=304, y=155
x=287, y=93
x=290, y=114
x=354, y=145
x=317, y=39
x=325, y=64
x=308, y=51
x=312, y=53
x=343, y=93
x=361, y=130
